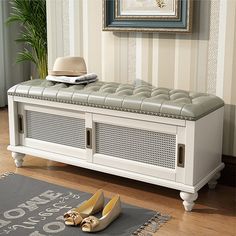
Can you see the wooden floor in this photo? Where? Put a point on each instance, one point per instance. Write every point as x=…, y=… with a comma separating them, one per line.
x=213, y=214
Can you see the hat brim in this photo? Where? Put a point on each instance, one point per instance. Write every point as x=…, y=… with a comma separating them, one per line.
x=66, y=73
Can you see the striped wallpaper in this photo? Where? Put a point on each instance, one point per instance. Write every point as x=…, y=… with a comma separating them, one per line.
x=203, y=61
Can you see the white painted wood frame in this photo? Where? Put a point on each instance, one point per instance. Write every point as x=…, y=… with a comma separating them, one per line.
x=202, y=140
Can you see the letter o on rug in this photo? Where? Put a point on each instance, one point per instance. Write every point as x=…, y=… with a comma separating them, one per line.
x=14, y=213
x=54, y=227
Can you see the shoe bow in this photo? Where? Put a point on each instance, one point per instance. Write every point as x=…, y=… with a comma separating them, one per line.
x=72, y=217
x=89, y=223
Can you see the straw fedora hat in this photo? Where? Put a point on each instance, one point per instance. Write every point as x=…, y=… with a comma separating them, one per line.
x=68, y=66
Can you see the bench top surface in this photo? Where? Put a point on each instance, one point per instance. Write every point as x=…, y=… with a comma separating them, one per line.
x=139, y=97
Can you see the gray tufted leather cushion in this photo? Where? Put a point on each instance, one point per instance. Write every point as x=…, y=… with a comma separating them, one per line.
x=138, y=97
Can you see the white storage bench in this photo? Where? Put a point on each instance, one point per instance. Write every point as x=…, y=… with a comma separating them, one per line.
x=171, y=138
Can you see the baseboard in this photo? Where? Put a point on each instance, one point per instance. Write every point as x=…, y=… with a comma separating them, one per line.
x=228, y=174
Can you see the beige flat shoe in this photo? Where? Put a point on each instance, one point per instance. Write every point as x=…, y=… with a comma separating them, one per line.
x=91, y=206
x=110, y=212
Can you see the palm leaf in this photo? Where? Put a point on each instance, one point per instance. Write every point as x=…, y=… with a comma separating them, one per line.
x=31, y=15
x=26, y=55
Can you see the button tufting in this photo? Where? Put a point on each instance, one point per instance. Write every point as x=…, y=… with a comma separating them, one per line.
x=138, y=97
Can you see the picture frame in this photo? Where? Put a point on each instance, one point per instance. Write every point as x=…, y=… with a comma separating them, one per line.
x=169, y=16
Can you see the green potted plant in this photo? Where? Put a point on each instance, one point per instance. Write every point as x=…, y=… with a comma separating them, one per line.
x=31, y=14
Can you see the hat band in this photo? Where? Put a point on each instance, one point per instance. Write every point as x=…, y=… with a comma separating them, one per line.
x=66, y=73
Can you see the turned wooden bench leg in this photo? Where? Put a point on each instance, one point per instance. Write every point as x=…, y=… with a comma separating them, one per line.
x=188, y=200
x=213, y=182
x=18, y=158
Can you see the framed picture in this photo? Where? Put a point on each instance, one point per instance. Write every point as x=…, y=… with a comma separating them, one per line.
x=148, y=15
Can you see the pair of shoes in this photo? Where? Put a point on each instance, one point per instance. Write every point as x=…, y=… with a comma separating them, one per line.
x=92, y=206
x=82, y=215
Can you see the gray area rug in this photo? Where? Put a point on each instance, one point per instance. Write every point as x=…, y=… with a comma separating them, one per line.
x=30, y=207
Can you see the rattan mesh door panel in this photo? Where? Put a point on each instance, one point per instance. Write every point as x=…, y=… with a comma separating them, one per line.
x=57, y=129
x=137, y=145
